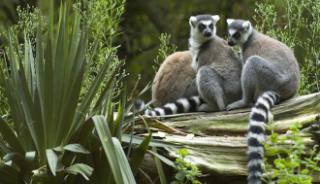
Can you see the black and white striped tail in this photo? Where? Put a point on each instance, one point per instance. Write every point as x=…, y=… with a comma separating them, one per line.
x=181, y=105
x=256, y=135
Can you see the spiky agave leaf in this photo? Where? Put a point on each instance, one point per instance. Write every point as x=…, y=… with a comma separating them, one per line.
x=43, y=87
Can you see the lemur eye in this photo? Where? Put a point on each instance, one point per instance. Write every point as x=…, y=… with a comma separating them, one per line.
x=237, y=35
x=201, y=27
x=211, y=26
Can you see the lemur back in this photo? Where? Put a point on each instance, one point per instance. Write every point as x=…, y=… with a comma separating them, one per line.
x=174, y=79
x=218, y=71
x=270, y=74
x=285, y=76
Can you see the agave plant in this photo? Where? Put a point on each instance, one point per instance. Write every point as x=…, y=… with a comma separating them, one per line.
x=50, y=123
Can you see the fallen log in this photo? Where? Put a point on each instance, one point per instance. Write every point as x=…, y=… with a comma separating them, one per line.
x=217, y=144
x=302, y=109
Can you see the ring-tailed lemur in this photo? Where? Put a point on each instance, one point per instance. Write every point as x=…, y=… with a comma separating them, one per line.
x=270, y=74
x=174, y=79
x=218, y=70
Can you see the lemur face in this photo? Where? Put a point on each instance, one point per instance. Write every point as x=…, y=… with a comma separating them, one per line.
x=238, y=31
x=203, y=26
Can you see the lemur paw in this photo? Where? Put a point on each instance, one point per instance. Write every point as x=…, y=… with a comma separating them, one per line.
x=228, y=108
x=236, y=105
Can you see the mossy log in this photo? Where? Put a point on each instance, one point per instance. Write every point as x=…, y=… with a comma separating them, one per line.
x=216, y=141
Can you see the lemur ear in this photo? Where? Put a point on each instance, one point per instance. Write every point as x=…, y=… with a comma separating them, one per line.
x=229, y=21
x=246, y=25
x=192, y=21
x=216, y=18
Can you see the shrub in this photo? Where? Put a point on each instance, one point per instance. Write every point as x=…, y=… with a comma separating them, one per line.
x=296, y=23
x=165, y=49
x=291, y=165
x=186, y=171
x=56, y=133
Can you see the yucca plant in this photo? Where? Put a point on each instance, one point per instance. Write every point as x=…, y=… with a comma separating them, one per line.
x=43, y=94
x=51, y=121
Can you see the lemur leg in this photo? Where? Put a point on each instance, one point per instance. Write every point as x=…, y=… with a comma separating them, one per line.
x=208, y=108
x=258, y=75
x=210, y=88
x=192, y=89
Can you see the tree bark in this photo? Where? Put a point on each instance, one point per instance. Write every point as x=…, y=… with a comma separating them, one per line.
x=216, y=142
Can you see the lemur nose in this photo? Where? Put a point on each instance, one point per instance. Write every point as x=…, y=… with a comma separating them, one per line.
x=207, y=34
x=231, y=43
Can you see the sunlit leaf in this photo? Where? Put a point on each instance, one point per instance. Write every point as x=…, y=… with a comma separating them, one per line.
x=52, y=160
x=109, y=148
x=124, y=164
x=80, y=168
x=76, y=148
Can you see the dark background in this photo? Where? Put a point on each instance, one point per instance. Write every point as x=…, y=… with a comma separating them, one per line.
x=145, y=20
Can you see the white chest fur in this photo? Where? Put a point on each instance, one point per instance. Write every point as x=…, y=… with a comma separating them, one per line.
x=194, y=48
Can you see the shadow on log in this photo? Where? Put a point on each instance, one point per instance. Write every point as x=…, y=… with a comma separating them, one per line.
x=216, y=141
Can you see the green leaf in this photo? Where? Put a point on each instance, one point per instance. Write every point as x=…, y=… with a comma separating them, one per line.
x=3, y=149
x=120, y=115
x=84, y=132
x=76, y=148
x=160, y=169
x=108, y=146
x=30, y=157
x=274, y=138
x=105, y=94
x=52, y=161
x=88, y=98
x=138, y=154
x=305, y=171
x=162, y=158
x=16, y=159
x=116, y=158
x=8, y=135
x=183, y=152
x=180, y=176
x=124, y=164
x=138, y=140
x=80, y=168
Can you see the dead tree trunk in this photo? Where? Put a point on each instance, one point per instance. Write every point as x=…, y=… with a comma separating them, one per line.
x=216, y=141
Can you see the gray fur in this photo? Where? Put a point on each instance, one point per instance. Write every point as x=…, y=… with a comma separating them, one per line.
x=269, y=66
x=191, y=89
x=218, y=69
x=270, y=73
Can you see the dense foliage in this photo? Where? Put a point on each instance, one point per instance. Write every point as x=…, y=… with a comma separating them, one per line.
x=165, y=49
x=296, y=23
x=186, y=171
x=291, y=164
x=58, y=118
